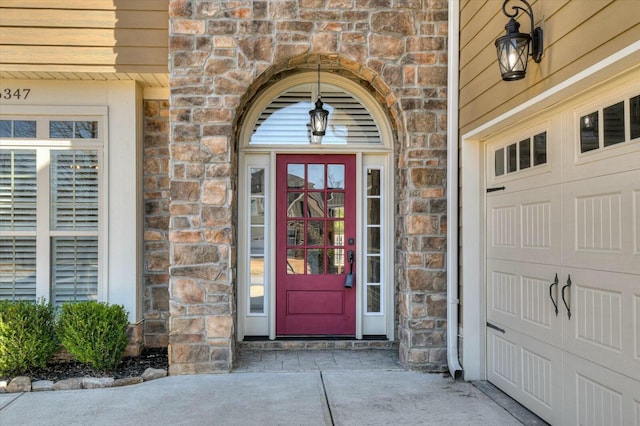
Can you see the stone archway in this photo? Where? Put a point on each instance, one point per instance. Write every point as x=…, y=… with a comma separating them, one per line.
x=220, y=55
x=345, y=67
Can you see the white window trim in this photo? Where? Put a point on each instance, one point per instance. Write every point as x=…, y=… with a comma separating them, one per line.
x=515, y=139
x=121, y=102
x=43, y=146
x=597, y=105
x=377, y=323
x=255, y=324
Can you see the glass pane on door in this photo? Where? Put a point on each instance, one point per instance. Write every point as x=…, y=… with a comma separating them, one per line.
x=319, y=212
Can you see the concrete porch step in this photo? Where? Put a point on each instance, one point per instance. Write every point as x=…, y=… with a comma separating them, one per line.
x=301, y=344
x=289, y=356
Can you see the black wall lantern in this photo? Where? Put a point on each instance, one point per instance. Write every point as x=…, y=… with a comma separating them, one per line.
x=318, y=115
x=513, y=47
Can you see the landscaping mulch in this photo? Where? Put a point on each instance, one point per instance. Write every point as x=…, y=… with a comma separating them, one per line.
x=129, y=367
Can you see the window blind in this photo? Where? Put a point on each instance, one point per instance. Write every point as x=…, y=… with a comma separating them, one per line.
x=74, y=269
x=74, y=190
x=285, y=120
x=17, y=190
x=17, y=268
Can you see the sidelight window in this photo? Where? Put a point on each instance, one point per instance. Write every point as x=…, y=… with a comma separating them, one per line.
x=257, y=241
x=373, y=263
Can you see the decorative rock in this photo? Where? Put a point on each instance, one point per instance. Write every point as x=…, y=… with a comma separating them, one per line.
x=153, y=373
x=68, y=384
x=3, y=386
x=97, y=382
x=20, y=384
x=42, y=385
x=126, y=381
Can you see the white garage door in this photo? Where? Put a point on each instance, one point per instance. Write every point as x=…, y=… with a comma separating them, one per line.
x=563, y=230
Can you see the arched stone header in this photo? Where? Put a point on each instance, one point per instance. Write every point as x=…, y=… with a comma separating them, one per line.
x=345, y=67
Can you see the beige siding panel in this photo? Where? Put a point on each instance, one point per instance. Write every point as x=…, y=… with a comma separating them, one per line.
x=96, y=36
x=488, y=20
x=71, y=68
x=89, y=4
x=130, y=56
x=495, y=102
x=583, y=17
x=477, y=49
x=83, y=18
x=89, y=37
x=468, y=10
x=576, y=36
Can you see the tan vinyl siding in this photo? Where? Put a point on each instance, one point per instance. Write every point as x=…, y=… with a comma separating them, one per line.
x=120, y=36
x=577, y=34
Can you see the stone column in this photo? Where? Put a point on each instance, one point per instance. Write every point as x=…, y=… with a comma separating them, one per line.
x=420, y=189
x=203, y=176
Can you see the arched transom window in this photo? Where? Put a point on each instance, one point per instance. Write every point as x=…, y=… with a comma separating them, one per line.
x=285, y=119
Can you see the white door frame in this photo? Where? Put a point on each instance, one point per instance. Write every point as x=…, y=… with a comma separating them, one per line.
x=473, y=197
x=368, y=156
x=364, y=161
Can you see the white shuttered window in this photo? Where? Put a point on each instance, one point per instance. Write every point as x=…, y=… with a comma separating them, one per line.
x=50, y=199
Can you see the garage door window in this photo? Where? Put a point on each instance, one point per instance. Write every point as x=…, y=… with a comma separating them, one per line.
x=634, y=106
x=527, y=153
x=608, y=126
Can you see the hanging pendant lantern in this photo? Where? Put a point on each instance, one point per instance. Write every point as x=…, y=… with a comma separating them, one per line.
x=513, y=47
x=318, y=115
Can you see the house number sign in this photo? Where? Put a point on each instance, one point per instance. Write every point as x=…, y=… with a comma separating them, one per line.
x=8, y=93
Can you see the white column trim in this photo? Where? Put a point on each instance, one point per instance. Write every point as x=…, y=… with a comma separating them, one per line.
x=452, y=190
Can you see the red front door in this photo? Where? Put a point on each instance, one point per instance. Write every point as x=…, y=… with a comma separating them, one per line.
x=315, y=233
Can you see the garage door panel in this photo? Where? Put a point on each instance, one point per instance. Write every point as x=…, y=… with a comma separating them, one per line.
x=602, y=223
x=521, y=296
x=595, y=395
x=575, y=215
x=528, y=370
x=636, y=223
x=619, y=158
x=525, y=225
x=604, y=318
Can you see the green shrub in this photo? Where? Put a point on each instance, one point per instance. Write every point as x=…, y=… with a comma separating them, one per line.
x=27, y=335
x=95, y=333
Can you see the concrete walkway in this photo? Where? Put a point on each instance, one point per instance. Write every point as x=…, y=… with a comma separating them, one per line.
x=294, y=392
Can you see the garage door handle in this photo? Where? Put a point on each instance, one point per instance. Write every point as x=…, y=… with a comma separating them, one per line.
x=498, y=188
x=567, y=285
x=554, y=283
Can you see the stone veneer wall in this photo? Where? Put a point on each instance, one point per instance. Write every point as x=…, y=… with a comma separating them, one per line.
x=221, y=54
x=156, y=223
